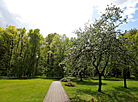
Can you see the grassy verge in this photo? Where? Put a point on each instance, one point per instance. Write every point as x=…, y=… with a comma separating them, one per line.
x=112, y=90
x=20, y=90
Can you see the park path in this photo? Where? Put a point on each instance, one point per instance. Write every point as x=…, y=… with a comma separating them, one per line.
x=56, y=93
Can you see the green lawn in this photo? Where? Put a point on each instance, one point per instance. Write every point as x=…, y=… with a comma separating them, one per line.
x=112, y=91
x=20, y=90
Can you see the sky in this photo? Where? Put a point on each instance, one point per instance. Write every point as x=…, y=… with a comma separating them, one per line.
x=61, y=16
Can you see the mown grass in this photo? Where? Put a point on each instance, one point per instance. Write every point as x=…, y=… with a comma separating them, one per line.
x=112, y=90
x=20, y=90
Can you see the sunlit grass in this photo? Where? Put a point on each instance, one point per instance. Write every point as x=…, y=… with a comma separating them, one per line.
x=112, y=91
x=30, y=90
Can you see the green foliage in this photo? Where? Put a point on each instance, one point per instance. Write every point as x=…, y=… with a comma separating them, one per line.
x=65, y=79
x=29, y=54
x=131, y=37
x=97, y=44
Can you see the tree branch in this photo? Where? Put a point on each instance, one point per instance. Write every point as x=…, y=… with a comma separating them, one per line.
x=95, y=65
x=105, y=64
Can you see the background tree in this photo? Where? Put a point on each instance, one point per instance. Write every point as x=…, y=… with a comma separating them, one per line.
x=9, y=41
x=35, y=44
x=132, y=38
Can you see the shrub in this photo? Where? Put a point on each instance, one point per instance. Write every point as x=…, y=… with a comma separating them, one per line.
x=25, y=77
x=65, y=80
x=70, y=84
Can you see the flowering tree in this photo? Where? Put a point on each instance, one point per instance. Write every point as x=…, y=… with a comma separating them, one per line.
x=98, y=42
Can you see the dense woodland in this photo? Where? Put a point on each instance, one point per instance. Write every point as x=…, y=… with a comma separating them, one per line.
x=99, y=49
x=30, y=54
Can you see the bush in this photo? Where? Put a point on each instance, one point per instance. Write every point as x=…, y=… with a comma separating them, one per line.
x=71, y=84
x=25, y=77
x=65, y=80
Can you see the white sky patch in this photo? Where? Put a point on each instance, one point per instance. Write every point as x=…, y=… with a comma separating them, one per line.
x=129, y=11
x=52, y=16
x=129, y=4
x=1, y=16
x=133, y=20
x=18, y=18
x=62, y=16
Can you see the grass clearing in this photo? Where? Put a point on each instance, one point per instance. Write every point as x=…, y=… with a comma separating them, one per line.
x=112, y=90
x=20, y=90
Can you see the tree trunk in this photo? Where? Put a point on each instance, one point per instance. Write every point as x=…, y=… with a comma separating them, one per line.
x=100, y=83
x=80, y=76
x=124, y=74
x=24, y=73
x=116, y=73
x=128, y=74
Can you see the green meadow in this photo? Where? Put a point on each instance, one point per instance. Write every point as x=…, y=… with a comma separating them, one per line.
x=112, y=90
x=34, y=90
x=20, y=90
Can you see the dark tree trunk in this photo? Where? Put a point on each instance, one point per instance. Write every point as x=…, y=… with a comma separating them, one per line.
x=84, y=72
x=100, y=83
x=124, y=74
x=62, y=72
x=128, y=74
x=80, y=76
x=116, y=73
x=24, y=73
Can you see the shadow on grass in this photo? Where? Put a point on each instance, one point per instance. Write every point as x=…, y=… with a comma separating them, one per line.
x=86, y=82
x=109, y=79
x=78, y=99
x=117, y=94
x=37, y=77
x=20, y=78
x=133, y=79
x=113, y=79
x=55, y=79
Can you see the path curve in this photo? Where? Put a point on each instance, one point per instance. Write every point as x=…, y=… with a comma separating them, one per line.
x=56, y=93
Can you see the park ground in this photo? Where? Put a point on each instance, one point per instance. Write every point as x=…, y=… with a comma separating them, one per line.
x=20, y=90
x=112, y=90
x=35, y=89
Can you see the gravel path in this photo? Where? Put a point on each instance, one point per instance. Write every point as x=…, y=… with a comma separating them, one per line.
x=56, y=93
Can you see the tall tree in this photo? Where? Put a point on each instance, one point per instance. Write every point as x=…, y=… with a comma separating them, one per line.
x=98, y=41
x=35, y=44
x=19, y=53
x=131, y=39
x=9, y=37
